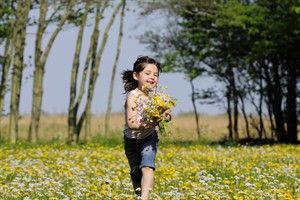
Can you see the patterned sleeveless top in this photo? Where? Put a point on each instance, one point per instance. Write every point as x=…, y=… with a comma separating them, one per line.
x=136, y=133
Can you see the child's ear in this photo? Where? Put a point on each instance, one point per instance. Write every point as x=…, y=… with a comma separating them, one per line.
x=135, y=76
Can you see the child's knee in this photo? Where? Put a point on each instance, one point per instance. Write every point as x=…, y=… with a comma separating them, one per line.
x=147, y=169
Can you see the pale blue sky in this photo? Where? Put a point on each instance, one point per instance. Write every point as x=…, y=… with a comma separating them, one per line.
x=58, y=72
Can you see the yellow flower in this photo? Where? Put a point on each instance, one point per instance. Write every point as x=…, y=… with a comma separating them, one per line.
x=155, y=105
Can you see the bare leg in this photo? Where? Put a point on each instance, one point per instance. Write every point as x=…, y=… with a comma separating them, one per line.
x=147, y=182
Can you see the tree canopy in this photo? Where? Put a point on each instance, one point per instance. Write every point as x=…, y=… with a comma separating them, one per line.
x=252, y=47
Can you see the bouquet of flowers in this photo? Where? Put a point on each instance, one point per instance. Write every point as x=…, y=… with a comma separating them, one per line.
x=156, y=103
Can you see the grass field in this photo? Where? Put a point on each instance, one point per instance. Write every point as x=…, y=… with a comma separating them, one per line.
x=186, y=171
x=186, y=168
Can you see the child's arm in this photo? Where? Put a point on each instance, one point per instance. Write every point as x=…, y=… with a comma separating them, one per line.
x=167, y=116
x=132, y=120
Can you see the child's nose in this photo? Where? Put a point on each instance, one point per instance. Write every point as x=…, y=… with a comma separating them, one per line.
x=152, y=76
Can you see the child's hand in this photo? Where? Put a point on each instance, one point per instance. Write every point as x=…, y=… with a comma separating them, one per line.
x=166, y=116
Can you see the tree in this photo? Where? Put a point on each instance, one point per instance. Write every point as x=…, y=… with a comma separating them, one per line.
x=199, y=52
x=19, y=35
x=258, y=27
x=261, y=35
x=73, y=106
x=6, y=25
x=111, y=88
x=92, y=65
x=275, y=49
x=175, y=51
x=40, y=59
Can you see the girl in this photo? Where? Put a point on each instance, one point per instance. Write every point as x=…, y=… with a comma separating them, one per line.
x=140, y=136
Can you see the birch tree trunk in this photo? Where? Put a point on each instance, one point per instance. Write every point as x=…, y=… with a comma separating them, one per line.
x=112, y=82
x=5, y=63
x=92, y=66
x=95, y=70
x=73, y=108
x=40, y=61
x=74, y=127
x=19, y=36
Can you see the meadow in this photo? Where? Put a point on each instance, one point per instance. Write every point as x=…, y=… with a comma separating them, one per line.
x=186, y=169
x=183, y=127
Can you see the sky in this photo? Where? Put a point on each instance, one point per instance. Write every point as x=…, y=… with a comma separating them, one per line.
x=59, y=63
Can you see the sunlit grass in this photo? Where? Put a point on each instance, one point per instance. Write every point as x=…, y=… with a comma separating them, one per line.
x=183, y=127
x=190, y=171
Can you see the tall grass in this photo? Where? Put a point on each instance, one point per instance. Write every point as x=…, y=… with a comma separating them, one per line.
x=183, y=127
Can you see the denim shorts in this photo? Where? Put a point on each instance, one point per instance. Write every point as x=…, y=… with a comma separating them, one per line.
x=140, y=153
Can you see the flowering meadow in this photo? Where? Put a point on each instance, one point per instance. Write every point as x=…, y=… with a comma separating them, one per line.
x=184, y=171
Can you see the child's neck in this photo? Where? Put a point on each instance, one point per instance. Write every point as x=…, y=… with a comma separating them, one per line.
x=141, y=91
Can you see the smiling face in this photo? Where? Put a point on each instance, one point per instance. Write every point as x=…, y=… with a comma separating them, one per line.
x=147, y=77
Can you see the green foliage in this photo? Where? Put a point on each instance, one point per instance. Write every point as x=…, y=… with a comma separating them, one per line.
x=251, y=47
x=5, y=14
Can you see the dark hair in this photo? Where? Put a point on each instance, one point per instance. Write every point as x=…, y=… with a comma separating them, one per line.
x=139, y=65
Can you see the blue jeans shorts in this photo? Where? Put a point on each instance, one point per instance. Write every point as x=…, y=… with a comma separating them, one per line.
x=140, y=153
